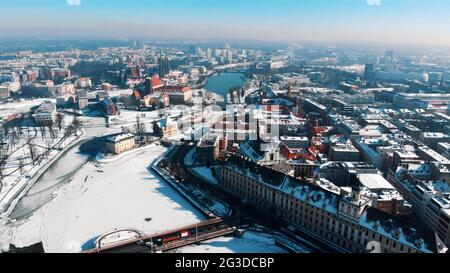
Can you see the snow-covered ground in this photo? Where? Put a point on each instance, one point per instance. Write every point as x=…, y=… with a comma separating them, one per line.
x=119, y=194
x=250, y=242
x=206, y=174
x=127, y=118
x=214, y=205
x=106, y=158
x=31, y=202
x=189, y=159
x=20, y=107
x=19, y=168
x=77, y=200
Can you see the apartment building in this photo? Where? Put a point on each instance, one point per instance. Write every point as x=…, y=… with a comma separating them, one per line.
x=344, y=220
x=46, y=114
x=429, y=200
x=119, y=144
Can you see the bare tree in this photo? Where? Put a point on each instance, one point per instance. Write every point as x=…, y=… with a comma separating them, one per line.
x=21, y=165
x=76, y=124
x=59, y=121
x=32, y=150
x=2, y=140
x=70, y=129
x=14, y=136
x=2, y=168
x=52, y=132
x=6, y=130
x=43, y=133
x=19, y=126
x=49, y=146
x=140, y=126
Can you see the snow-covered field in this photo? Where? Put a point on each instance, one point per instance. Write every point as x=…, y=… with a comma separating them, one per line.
x=250, y=242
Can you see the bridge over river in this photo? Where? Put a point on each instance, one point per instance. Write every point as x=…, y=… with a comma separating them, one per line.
x=164, y=241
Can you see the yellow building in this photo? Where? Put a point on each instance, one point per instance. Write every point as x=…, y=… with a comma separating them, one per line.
x=120, y=143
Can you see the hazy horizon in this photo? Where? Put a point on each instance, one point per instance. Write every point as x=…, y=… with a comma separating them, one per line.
x=379, y=22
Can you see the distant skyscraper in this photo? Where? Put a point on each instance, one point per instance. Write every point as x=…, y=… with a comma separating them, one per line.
x=229, y=55
x=389, y=57
x=369, y=72
x=193, y=49
x=389, y=54
x=164, y=66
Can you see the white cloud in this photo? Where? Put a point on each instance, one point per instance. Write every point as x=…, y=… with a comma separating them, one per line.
x=374, y=2
x=73, y=2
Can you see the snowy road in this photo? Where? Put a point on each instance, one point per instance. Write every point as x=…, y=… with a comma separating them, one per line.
x=250, y=242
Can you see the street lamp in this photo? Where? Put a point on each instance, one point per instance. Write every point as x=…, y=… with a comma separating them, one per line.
x=196, y=233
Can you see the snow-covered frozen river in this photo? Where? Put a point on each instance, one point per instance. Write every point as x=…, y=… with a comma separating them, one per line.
x=78, y=199
x=99, y=198
x=118, y=194
x=59, y=173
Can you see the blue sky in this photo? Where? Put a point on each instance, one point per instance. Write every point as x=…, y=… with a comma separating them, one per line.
x=421, y=22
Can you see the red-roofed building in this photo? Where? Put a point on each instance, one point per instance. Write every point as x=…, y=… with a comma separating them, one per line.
x=318, y=144
x=177, y=94
x=157, y=82
x=322, y=131
x=155, y=87
x=298, y=154
x=83, y=83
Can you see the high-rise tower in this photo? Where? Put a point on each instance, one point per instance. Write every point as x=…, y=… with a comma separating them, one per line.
x=164, y=66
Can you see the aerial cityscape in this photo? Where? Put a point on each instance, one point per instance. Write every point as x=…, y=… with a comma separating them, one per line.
x=226, y=127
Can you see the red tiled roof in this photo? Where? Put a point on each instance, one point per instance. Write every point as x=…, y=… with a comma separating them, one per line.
x=157, y=82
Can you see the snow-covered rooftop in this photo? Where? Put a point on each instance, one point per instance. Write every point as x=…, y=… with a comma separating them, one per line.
x=374, y=181
x=120, y=137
